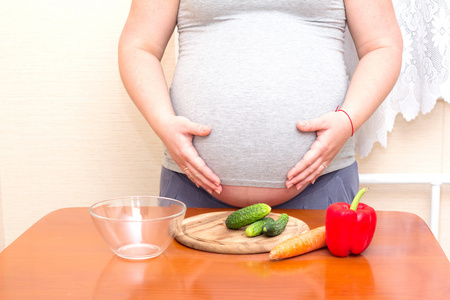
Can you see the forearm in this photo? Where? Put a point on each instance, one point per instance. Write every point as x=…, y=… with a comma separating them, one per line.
x=374, y=78
x=143, y=78
x=378, y=40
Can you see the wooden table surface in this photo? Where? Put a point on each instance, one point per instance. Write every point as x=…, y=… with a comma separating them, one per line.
x=62, y=256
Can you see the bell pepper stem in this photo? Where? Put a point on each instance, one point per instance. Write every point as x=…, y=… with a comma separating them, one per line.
x=358, y=196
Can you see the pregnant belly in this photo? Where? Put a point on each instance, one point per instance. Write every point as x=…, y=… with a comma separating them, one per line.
x=254, y=158
x=241, y=196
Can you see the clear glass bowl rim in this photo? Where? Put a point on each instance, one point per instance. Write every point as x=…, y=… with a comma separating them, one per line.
x=136, y=197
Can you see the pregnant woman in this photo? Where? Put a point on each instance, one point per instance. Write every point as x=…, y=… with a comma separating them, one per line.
x=260, y=108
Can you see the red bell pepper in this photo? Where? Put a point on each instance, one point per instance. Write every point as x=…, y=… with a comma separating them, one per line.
x=349, y=229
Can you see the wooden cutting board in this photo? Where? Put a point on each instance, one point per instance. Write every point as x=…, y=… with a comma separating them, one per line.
x=207, y=232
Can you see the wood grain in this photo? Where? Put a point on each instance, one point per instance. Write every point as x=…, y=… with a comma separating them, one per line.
x=207, y=232
x=63, y=256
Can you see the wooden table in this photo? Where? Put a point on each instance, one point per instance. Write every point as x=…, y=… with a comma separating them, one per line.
x=63, y=257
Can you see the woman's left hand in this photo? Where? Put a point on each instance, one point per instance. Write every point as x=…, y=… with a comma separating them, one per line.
x=333, y=129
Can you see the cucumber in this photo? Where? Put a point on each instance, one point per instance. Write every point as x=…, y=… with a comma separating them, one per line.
x=277, y=227
x=247, y=215
x=256, y=228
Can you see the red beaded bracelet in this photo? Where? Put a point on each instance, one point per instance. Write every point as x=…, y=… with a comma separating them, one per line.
x=351, y=123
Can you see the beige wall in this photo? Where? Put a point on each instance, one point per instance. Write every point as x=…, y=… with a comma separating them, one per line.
x=413, y=147
x=70, y=136
x=2, y=229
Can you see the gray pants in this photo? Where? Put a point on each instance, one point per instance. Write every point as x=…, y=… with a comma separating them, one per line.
x=339, y=186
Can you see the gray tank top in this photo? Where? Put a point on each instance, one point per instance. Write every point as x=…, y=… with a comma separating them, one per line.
x=251, y=69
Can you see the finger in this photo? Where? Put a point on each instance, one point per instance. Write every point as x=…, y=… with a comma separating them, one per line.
x=308, y=159
x=299, y=167
x=200, y=173
x=201, y=181
x=313, y=176
x=309, y=175
x=310, y=125
x=193, y=176
x=199, y=129
x=299, y=177
x=197, y=167
x=210, y=178
x=189, y=175
x=316, y=152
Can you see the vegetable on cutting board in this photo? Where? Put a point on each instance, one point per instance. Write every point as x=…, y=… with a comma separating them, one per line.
x=256, y=228
x=276, y=228
x=350, y=228
x=300, y=244
x=247, y=215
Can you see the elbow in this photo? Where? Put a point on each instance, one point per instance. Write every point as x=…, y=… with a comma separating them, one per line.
x=397, y=54
x=122, y=53
x=131, y=47
x=395, y=46
x=123, y=47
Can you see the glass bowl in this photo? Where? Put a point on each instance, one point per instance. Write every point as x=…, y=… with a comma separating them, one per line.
x=138, y=227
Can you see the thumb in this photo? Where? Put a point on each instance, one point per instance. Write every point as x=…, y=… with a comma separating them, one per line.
x=309, y=125
x=199, y=129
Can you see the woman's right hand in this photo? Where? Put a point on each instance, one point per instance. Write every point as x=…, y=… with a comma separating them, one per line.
x=177, y=138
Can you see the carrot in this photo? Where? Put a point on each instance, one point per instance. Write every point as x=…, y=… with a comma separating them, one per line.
x=300, y=244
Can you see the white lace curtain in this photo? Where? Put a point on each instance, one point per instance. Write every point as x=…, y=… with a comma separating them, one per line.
x=425, y=26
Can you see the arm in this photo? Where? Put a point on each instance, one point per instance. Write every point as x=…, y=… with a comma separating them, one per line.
x=144, y=38
x=375, y=31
